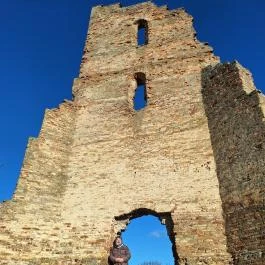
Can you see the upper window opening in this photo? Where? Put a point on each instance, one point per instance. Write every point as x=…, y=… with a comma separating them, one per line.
x=140, y=96
x=142, y=37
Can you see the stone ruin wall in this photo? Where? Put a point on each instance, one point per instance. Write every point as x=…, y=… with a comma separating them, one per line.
x=30, y=222
x=159, y=158
x=235, y=111
x=98, y=163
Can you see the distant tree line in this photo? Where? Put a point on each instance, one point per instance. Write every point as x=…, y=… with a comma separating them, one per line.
x=151, y=263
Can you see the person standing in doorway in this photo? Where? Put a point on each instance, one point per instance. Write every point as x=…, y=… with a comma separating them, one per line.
x=119, y=253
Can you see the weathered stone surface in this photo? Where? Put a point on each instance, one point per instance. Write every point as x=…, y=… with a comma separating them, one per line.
x=235, y=111
x=98, y=163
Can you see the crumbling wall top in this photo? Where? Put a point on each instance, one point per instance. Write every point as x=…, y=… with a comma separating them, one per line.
x=101, y=10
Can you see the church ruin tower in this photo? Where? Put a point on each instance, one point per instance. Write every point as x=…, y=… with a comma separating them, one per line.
x=193, y=156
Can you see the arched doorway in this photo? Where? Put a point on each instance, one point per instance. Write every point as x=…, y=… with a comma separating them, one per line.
x=150, y=237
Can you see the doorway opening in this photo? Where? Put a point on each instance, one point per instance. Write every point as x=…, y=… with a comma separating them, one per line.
x=150, y=238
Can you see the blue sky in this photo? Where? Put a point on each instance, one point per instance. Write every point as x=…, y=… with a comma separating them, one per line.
x=148, y=241
x=41, y=43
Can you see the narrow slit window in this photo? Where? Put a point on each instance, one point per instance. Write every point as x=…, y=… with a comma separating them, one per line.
x=140, y=96
x=142, y=37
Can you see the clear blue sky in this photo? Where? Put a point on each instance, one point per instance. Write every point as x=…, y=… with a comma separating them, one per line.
x=148, y=241
x=41, y=44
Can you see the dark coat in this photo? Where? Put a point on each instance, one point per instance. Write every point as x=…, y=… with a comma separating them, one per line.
x=120, y=252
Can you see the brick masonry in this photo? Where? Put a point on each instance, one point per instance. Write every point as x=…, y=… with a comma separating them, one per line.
x=98, y=163
x=235, y=111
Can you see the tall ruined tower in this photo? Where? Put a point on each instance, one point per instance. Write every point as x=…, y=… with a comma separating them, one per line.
x=194, y=156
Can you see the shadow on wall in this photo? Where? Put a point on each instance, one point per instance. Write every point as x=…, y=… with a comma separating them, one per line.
x=165, y=219
x=236, y=124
